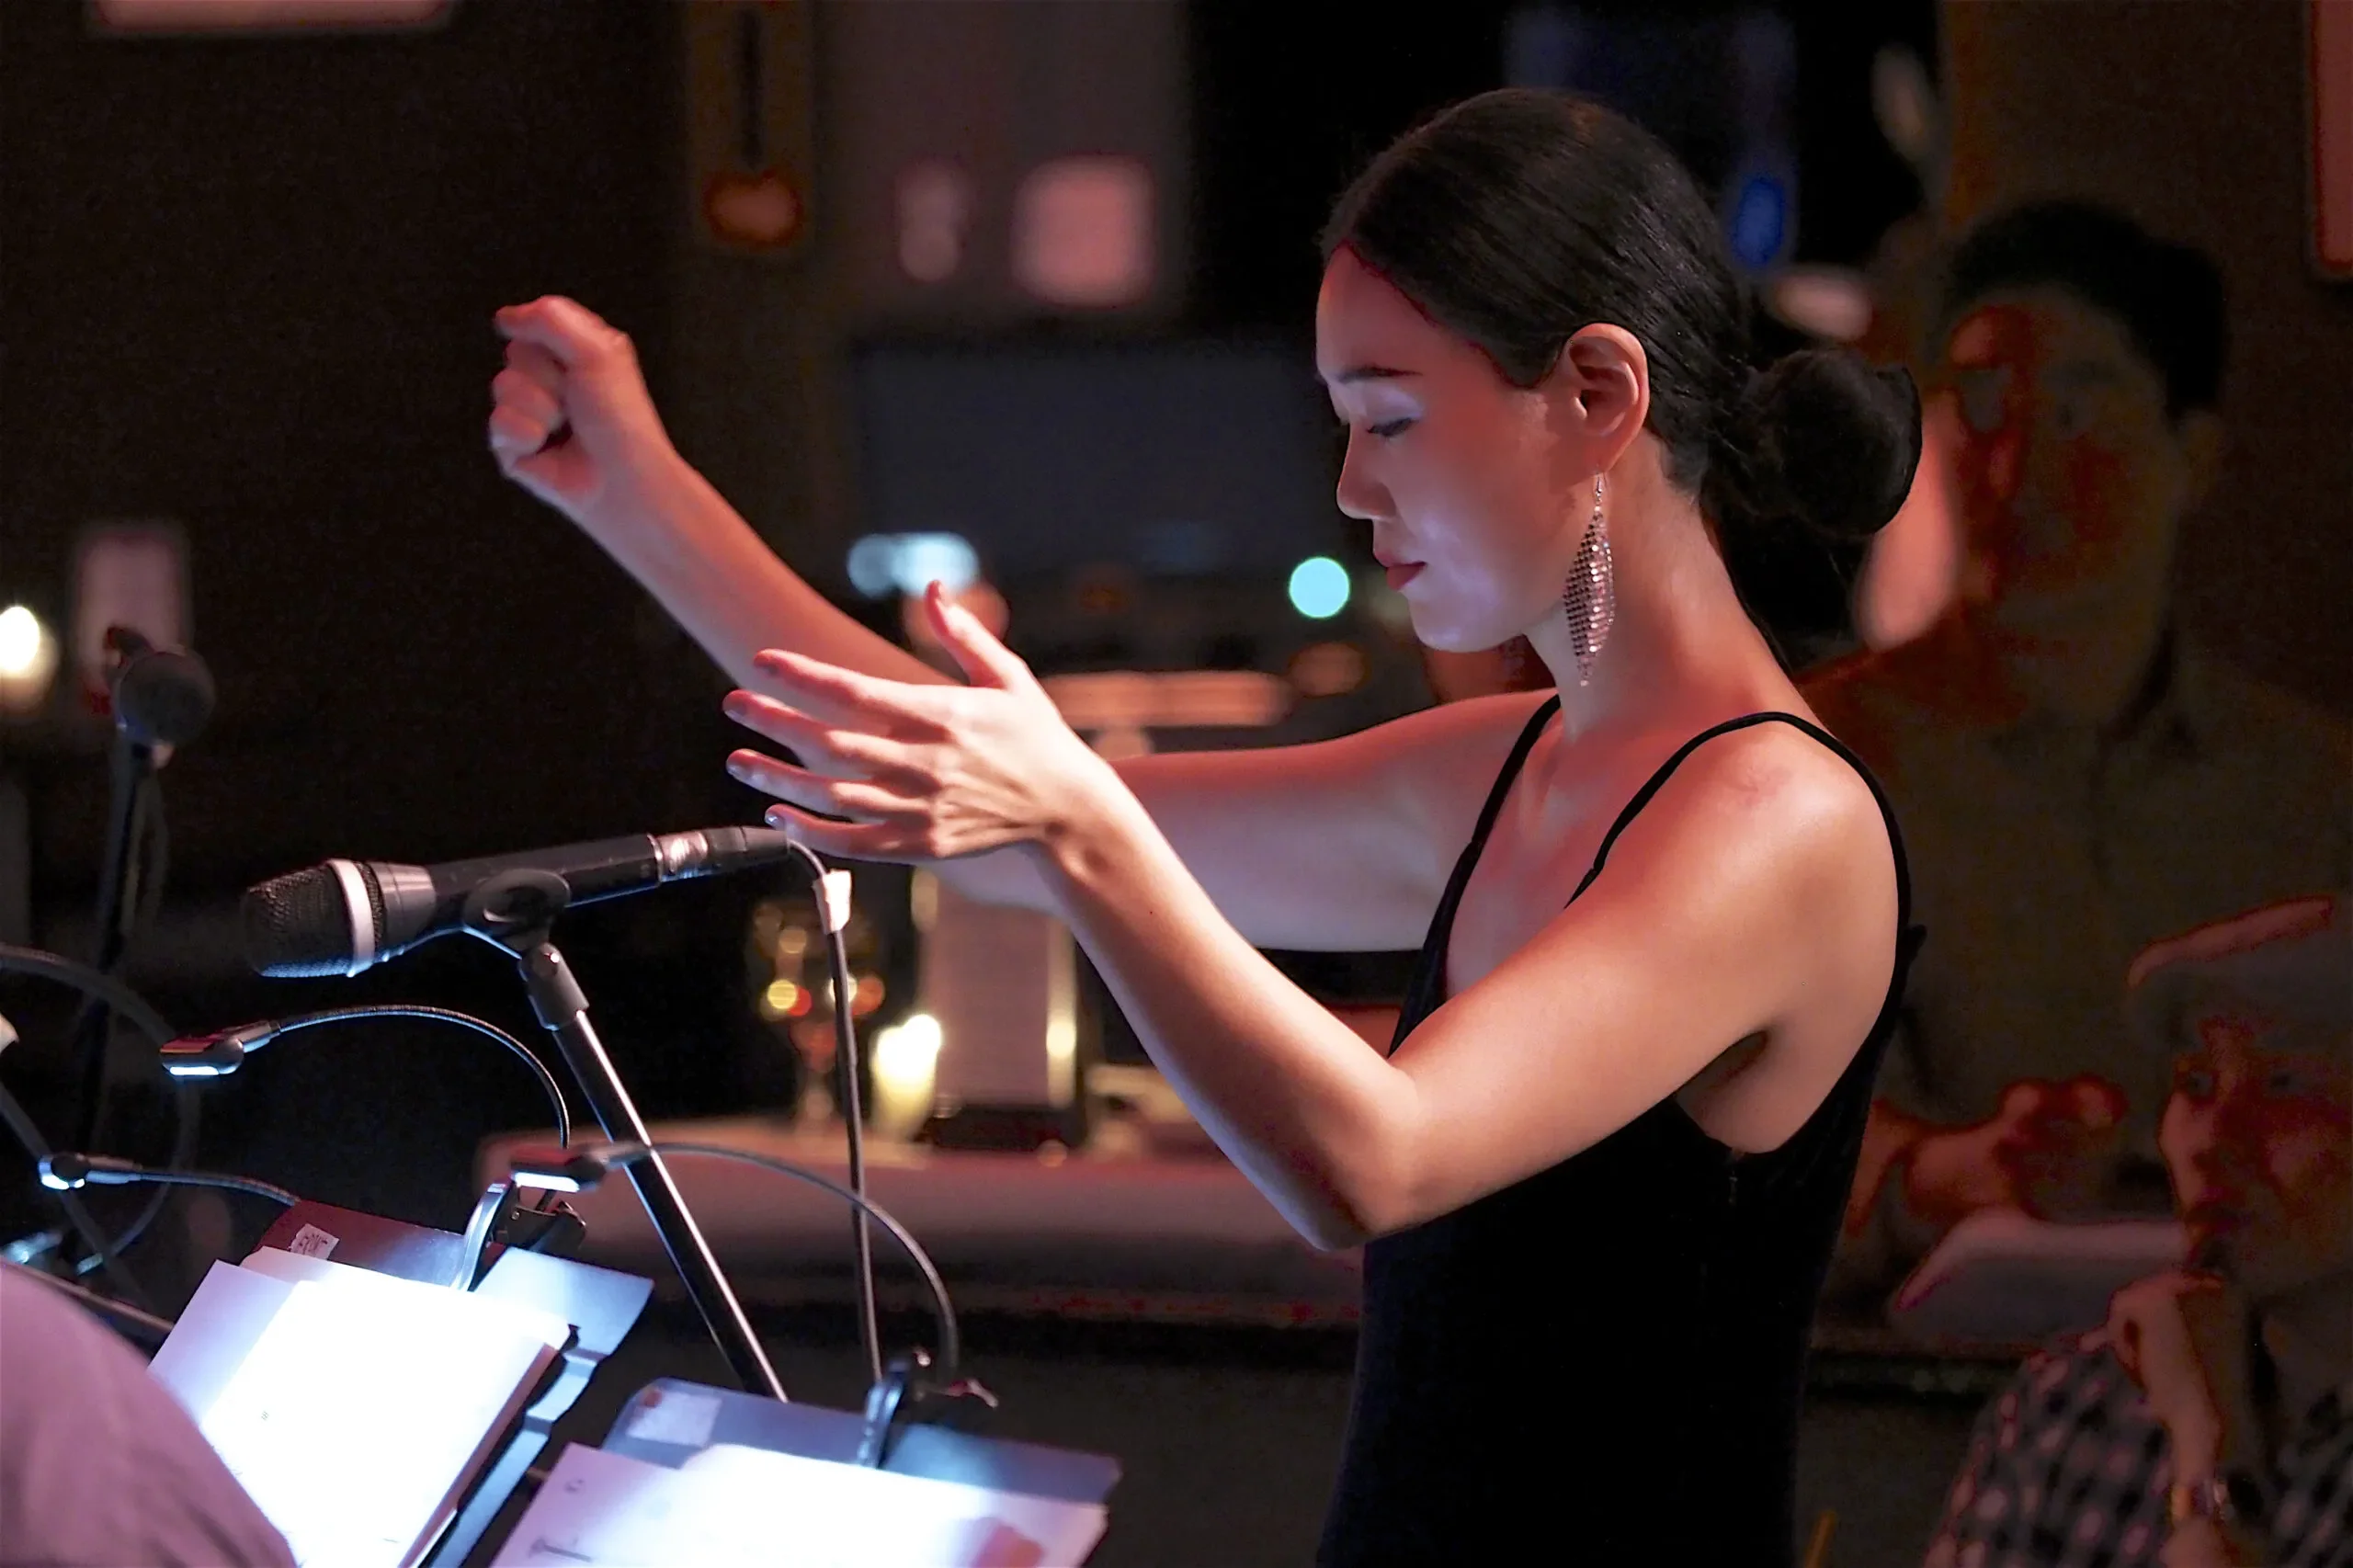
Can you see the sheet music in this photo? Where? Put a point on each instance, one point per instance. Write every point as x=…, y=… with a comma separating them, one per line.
x=357, y=1412
x=295, y=1267
x=735, y=1506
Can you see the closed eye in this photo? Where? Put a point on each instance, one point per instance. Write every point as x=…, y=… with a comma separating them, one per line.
x=1388, y=427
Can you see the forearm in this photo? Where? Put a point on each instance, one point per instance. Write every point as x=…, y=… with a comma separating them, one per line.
x=1316, y=1120
x=701, y=562
x=678, y=537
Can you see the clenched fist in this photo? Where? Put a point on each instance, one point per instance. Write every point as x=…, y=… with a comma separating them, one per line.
x=571, y=420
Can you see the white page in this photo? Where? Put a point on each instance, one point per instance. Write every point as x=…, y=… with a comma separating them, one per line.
x=222, y=1323
x=731, y=1505
x=521, y=1316
x=358, y=1416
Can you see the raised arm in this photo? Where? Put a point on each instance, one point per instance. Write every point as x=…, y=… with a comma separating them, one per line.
x=1329, y=847
x=571, y=422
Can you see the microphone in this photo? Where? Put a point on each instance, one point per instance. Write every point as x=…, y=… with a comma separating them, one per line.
x=160, y=697
x=347, y=915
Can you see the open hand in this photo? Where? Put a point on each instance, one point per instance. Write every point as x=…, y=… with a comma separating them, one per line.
x=917, y=772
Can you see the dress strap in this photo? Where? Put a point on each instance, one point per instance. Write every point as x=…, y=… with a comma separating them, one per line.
x=1910, y=937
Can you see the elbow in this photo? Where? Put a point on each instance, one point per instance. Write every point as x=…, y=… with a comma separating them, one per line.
x=1367, y=1190
x=1334, y=1229
x=1328, y=1215
x=1355, y=1207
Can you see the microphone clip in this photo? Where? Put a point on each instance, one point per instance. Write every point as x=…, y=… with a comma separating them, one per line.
x=514, y=910
x=904, y=1395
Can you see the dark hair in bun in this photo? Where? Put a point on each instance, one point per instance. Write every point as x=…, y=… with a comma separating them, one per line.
x=1517, y=217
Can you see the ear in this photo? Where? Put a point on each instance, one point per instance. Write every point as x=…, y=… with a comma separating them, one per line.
x=2200, y=437
x=1600, y=388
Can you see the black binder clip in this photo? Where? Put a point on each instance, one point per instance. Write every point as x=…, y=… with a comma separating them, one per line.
x=501, y=1219
x=904, y=1395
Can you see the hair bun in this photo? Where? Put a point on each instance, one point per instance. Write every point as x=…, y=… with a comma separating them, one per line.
x=1825, y=443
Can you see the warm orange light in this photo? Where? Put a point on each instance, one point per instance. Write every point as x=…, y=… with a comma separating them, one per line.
x=783, y=999
x=866, y=996
x=1327, y=669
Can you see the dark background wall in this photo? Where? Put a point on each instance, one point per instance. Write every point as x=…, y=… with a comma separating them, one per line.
x=248, y=286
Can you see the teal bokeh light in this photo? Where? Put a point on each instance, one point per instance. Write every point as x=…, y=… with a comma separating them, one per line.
x=1319, y=587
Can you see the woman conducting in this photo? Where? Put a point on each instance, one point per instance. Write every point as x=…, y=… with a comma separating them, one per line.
x=1662, y=915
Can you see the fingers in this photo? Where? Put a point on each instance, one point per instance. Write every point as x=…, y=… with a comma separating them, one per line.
x=830, y=749
x=842, y=840
x=535, y=363
x=836, y=695
x=524, y=414
x=984, y=659
x=850, y=798
x=567, y=330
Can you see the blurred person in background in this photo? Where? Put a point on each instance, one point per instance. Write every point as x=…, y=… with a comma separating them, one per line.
x=1619, y=1123
x=2210, y=1420
x=2074, y=776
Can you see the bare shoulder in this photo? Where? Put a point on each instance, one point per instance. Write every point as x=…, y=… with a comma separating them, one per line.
x=1774, y=773
x=1776, y=836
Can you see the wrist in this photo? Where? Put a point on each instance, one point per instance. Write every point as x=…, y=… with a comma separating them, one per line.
x=1080, y=838
x=643, y=502
x=2233, y=1500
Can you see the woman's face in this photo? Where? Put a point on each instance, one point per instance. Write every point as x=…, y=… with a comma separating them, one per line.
x=1468, y=487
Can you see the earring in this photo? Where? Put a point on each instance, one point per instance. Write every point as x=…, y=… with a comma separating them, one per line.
x=1590, y=598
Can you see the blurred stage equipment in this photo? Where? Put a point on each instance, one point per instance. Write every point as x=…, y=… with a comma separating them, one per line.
x=750, y=130
x=160, y=697
x=989, y=164
x=2332, y=145
x=1720, y=89
x=149, y=17
x=28, y=659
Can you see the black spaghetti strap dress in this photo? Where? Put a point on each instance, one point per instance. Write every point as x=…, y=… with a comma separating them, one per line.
x=1602, y=1364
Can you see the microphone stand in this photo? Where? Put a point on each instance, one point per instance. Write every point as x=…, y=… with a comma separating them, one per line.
x=516, y=912
x=132, y=773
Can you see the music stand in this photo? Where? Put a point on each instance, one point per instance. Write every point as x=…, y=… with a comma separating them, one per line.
x=670, y=1420
x=601, y=1305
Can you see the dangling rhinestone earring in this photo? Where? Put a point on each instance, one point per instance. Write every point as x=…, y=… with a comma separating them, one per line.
x=1590, y=598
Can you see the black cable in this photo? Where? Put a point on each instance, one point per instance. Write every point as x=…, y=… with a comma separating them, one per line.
x=84, y=1224
x=853, y=1115
x=127, y=1004
x=951, y=1342
x=89, y=982
x=548, y=1084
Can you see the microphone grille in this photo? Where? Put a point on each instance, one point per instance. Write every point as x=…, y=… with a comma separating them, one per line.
x=164, y=698
x=297, y=925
